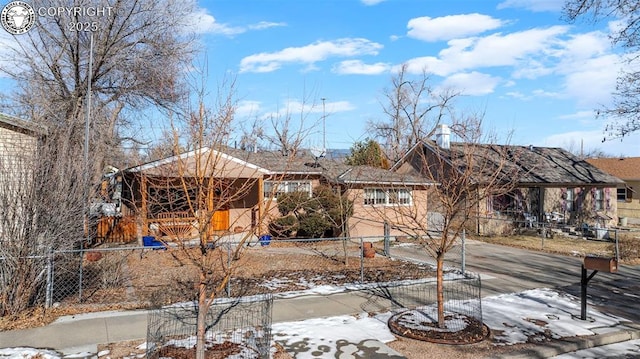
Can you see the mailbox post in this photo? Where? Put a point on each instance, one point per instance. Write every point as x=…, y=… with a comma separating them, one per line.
x=596, y=264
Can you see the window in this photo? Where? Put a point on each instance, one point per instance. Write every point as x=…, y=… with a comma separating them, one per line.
x=380, y=196
x=570, y=199
x=598, y=199
x=625, y=194
x=274, y=189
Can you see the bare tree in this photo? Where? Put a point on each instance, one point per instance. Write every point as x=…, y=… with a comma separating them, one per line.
x=140, y=49
x=625, y=111
x=466, y=174
x=413, y=109
x=192, y=200
x=285, y=130
x=41, y=212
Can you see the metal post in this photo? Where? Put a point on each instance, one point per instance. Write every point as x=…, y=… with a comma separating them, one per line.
x=584, y=281
x=85, y=196
x=464, y=248
x=387, y=238
x=615, y=235
x=361, y=260
x=229, y=266
x=49, y=291
x=544, y=234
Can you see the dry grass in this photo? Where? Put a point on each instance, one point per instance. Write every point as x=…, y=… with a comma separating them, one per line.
x=629, y=244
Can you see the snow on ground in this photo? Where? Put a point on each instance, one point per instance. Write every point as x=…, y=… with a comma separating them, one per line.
x=513, y=318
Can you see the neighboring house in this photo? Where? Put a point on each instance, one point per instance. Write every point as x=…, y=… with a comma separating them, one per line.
x=627, y=193
x=550, y=184
x=19, y=142
x=18, y=139
x=246, y=186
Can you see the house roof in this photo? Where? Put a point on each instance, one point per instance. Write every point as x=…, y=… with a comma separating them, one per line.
x=533, y=165
x=379, y=176
x=626, y=168
x=235, y=163
x=22, y=126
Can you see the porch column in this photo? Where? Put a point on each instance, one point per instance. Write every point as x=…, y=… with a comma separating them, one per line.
x=260, y=204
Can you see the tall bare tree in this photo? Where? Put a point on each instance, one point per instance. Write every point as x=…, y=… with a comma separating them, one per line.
x=625, y=110
x=466, y=175
x=140, y=49
x=412, y=109
x=191, y=198
x=41, y=212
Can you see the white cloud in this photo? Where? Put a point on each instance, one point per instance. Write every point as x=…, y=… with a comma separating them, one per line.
x=371, y=2
x=580, y=115
x=357, y=67
x=309, y=54
x=515, y=49
x=591, y=81
x=450, y=27
x=533, y=5
x=471, y=83
x=265, y=25
x=247, y=108
x=202, y=22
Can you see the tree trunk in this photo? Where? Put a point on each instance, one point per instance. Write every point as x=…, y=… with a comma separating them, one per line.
x=202, y=316
x=440, y=289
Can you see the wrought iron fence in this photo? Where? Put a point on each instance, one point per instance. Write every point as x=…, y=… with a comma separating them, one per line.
x=235, y=327
x=417, y=305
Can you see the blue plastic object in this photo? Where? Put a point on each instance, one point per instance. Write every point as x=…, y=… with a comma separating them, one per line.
x=150, y=241
x=265, y=239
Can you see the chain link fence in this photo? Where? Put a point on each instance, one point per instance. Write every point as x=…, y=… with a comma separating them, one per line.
x=149, y=277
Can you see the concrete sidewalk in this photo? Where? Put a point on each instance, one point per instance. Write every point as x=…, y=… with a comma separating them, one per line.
x=82, y=333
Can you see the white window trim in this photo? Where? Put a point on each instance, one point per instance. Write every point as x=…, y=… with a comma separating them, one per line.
x=387, y=196
x=285, y=185
x=599, y=197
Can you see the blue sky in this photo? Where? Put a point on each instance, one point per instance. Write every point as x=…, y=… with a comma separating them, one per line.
x=530, y=71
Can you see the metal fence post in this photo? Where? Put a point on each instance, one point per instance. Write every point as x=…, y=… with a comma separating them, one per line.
x=464, y=248
x=49, y=287
x=615, y=235
x=387, y=235
x=361, y=260
x=229, y=266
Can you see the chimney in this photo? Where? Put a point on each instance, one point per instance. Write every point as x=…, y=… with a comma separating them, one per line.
x=443, y=134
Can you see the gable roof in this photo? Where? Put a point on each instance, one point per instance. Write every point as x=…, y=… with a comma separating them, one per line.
x=538, y=166
x=22, y=126
x=236, y=163
x=626, y=168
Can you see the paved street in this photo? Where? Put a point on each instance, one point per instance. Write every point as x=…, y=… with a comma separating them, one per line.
x=506, y=269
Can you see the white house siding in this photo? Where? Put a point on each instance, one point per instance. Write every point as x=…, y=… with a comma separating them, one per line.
x=16, y=155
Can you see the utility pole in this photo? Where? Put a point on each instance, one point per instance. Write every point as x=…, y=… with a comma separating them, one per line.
x=85, y=193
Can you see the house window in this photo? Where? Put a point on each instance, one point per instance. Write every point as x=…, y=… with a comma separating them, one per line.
x=381, y=196
x=570, y=200
x=625, y=194
x=273, y=189
x=598, y=199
